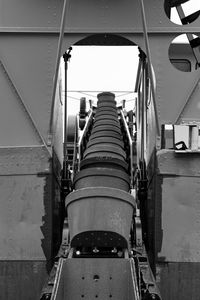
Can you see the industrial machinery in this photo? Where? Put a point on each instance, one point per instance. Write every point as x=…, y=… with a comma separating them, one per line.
x=116, y=214
x=102, y=253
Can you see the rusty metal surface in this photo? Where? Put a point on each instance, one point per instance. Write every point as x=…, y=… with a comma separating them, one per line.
x=180, y=219
x=173, y=223
x=25, y=206
x=170, y=163
x=24, y=160
x=23, y=218
x=179, y=281
x=180, y=209
x=21, y=279
x=30, y=224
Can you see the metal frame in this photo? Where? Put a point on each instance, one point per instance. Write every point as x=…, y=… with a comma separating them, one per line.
x=88, y=122
x=130, y=144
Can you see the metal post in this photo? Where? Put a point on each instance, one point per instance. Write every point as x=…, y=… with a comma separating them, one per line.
x=65, y=154
x=65, y=174
x=143, y=109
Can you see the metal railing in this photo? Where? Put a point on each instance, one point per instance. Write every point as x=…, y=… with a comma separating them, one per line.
x=130, y=145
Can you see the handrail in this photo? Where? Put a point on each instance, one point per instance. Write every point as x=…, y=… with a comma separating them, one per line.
x=130, y=145
x=75, y=149
x=149, y=64
x=62, y=26
x=57, y=279
x=136, y=290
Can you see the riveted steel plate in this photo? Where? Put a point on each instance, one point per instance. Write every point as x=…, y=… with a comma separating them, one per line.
x=95, y=279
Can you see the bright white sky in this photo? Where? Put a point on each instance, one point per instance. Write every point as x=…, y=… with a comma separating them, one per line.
x=101, y=68
x=188, y=8
x=105, y=68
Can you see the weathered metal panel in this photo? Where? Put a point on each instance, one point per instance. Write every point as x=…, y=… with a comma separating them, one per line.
x=21, y=221
x=173, y=223
x=179, y=281
x=190, y=112
x=22, y=13
x=24, y=161
x=95, y=15
x=178, y=164
x=16, y=128
x=98, y=15
x=25, y=206
x=21, y=279
x=180, y=210
x=58, y=210
x=29, y=209
x=32, y=76
x=173, y=87
x=181, y=219
x=29, y=36
x=86, y=16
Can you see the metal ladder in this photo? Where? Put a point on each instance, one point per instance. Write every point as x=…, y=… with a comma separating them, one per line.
x=194, y=42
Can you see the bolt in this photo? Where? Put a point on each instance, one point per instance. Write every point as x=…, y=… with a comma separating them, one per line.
x=96, y=277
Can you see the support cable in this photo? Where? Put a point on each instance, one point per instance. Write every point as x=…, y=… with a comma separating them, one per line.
x=149, y=63
x=62, y=27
